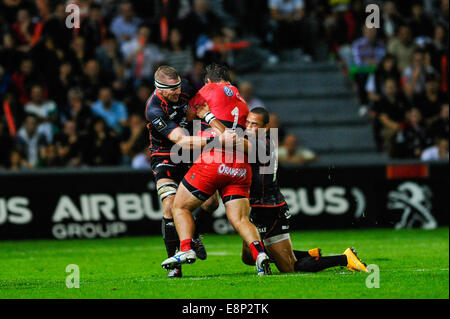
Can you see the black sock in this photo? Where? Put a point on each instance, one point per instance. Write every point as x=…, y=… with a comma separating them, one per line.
x=170, y=236
x=315, y=264
x=301, y=254
x=202, y=219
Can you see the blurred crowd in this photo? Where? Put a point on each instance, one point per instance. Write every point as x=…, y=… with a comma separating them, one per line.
x=400, y=71
x=72, y=97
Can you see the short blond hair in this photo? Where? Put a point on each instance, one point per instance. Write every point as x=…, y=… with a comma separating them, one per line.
x=166, y=72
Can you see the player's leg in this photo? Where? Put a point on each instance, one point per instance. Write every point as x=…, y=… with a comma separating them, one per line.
x=183, y=206
x=203, y=214
x=279, y=248
x=246, y=255
x=237, y=211
x=166, y=190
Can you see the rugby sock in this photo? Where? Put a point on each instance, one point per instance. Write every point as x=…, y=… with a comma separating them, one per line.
x=170, y=236
x=256, y=247
x=315, y=264
x=301, y=254
x=185, y=245
x=200, y=219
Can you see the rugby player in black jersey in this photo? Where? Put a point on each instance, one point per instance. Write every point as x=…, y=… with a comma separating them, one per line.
x=167, y=112
x=270, y=213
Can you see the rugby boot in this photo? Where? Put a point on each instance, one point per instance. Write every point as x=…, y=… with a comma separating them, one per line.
x=175, y=273
x=181, y=257
x=353, y=262
x=263, y=264
x=199, y=248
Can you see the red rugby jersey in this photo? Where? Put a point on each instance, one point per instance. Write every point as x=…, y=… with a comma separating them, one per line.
x=224, y=102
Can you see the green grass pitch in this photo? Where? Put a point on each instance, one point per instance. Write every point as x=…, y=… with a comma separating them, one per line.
x=412, y=263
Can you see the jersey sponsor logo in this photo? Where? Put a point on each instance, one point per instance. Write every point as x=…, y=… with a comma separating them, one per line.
x=159, y=124
x=235, y=172
x=228, y=92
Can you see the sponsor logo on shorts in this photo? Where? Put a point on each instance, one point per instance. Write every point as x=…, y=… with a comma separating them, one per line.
x=226, y=170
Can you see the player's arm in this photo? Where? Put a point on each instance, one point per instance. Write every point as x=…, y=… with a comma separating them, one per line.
x=160, y=122
x=179, y=137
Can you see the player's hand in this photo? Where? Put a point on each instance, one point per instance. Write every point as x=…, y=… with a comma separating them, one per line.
x=202, y=110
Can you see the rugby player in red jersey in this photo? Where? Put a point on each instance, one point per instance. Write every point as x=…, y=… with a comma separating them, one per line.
x=217, y=169
x=270, y=212
x=166, y=111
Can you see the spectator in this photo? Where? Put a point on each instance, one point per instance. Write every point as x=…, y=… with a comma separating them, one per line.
x=10, y=56
x=92, y=28
x=78, y=55
x=5, y=81
x=410, y=140
x=29, y=141
x=390, y=113
x=138, y=101
x=421, y=25
x=50, y=59
x=391, y=19
x=291, y=153
x=440, y=127
x=92, y=81
x=431, y=100
x=17, y=161
x=100, y=147
x=134, y=138
x=6, y=145
x=367, y=52
x=246, y=91
x=49, y=157
x=141, y=160
x=56, y=28
x=24, y=78
x=126, y=24
x=140, y=55
x=24, y=30
x=386, y=69
x=68, y=146
x=76, y=110
x=402, y=47
x=110, y=58
x=65, y=81
x=442, y=16
x=178, y=55
x=200, y=20
x=45, y=111
x=413, y=77
x=113, y=112
x=439, y=151
x=291, y=31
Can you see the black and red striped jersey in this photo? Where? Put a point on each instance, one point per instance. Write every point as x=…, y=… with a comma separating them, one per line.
x=265, y=191
x=163, y=117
